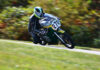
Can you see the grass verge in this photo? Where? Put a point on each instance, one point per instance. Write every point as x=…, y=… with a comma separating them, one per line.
x=17, y=56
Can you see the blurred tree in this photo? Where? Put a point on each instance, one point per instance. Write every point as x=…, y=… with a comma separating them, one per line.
x=17, y=3
x=20, y=3
x=95, y=4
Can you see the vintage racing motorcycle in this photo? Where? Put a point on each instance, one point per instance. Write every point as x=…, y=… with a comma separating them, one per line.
x=54, y=34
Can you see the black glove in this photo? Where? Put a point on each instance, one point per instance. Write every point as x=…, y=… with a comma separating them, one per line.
x=42, y=32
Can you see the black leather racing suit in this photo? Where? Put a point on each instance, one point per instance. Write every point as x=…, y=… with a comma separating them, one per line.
x=33, y=28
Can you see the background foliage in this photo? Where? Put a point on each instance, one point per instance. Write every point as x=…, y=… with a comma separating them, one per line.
x=80, y=18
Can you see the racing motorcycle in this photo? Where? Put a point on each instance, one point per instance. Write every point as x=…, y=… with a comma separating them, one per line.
x=54, y=34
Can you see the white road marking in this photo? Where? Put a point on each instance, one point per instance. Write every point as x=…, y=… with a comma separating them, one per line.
x=75, y=50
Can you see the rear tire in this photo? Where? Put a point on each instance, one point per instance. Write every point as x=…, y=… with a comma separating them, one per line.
x=43, y=43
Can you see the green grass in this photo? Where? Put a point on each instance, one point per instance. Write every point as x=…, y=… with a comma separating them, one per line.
x=76, y=47
x=88, y=48
x=14, y=56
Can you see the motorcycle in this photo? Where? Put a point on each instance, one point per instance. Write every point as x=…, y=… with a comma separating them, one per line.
x=54, y=33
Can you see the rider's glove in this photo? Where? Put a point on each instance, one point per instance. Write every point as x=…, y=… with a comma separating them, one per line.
x=42, y=32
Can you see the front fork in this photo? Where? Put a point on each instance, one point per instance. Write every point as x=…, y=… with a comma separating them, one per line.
x=59, y=38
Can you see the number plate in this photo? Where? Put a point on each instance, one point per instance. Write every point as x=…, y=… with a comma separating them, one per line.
x=55, y=25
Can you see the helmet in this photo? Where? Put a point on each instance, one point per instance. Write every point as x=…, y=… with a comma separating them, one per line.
x=38, y=12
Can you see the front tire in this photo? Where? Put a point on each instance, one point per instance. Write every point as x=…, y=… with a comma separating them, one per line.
x=67, y=41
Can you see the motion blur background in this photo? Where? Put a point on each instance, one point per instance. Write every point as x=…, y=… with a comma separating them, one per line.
x=80, y=18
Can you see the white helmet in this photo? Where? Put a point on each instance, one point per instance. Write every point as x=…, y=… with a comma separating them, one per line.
x=38, y=12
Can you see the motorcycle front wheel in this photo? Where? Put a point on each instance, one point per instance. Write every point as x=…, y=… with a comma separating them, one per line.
x=67, y=41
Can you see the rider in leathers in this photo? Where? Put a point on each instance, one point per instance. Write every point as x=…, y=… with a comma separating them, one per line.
x=34, y=25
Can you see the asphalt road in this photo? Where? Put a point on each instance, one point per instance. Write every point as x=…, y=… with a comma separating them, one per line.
x=56, y=47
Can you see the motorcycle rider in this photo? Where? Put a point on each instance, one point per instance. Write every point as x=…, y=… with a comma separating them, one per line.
x=34, y=25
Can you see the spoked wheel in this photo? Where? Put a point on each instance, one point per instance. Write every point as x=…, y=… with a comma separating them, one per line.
x=67, y=41
x=43, y=43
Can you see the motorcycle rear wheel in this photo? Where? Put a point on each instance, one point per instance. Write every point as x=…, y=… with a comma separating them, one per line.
x=43, y=43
